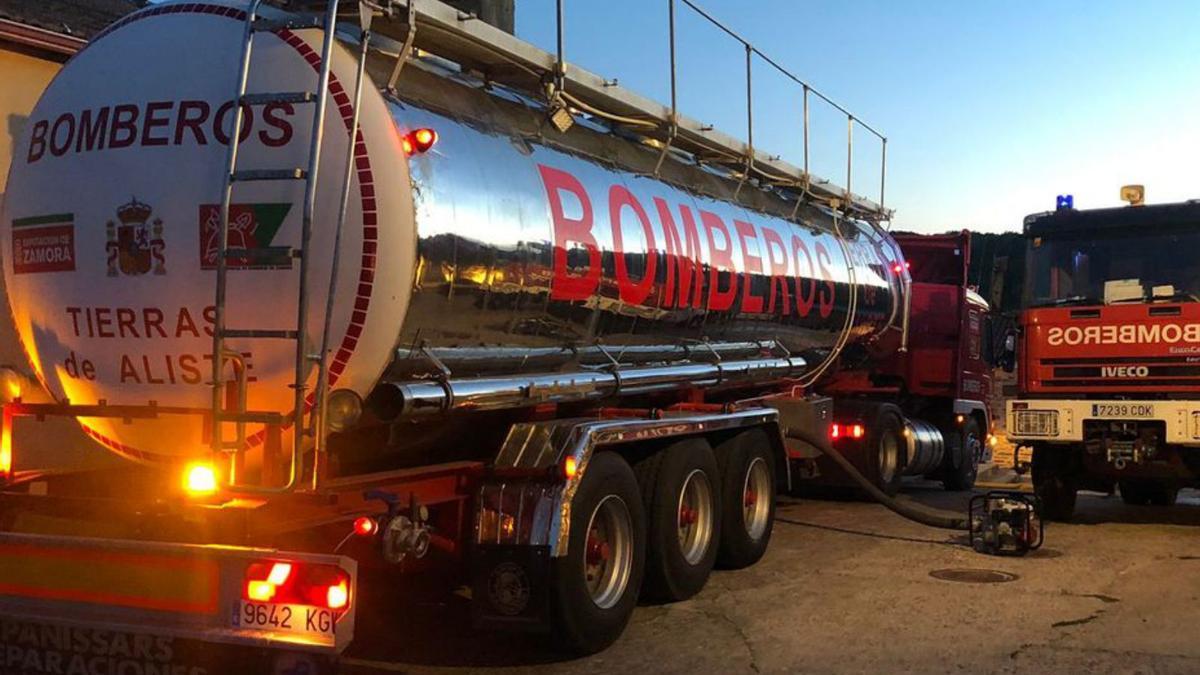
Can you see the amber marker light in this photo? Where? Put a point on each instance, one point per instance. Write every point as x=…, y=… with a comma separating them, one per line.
x=200, y=479
x=338, y=596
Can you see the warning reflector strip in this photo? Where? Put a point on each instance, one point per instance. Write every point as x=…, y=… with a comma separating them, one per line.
x=167, y=582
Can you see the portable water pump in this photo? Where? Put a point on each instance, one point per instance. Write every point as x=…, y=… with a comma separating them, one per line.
x=1005, y=523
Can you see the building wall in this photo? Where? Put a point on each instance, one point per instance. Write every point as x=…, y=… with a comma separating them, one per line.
x=24, y=79
x=55, y=443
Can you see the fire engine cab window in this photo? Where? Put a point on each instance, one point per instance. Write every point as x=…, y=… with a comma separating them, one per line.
x=1073, y=268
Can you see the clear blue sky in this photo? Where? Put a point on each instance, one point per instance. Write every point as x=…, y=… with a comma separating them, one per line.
x=990, y=108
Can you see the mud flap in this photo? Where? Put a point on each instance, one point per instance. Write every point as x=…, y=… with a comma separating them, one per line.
x=511, y=588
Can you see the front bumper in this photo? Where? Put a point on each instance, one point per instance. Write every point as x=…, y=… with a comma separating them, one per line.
x=1062, y=420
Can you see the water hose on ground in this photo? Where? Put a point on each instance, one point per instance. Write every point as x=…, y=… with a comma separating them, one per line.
x=926, y=516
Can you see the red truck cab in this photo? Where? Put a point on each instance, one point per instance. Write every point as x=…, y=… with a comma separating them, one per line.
x=930, y=382
x=1109, y=353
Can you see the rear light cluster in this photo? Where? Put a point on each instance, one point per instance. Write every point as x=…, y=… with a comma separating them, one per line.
x=837, y=431
x=297, y=583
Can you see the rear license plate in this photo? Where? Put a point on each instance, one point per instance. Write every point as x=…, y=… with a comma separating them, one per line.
x=1125, y=410
x=303, y=620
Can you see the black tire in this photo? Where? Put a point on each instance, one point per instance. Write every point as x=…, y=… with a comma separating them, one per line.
x=583, y=626
x=1054, y=483
x=885, y=461
x=670, y=575
x=739, y=458
x=1134, y=492
x=964, y=449
x=1164, y=494
x=1141, y=492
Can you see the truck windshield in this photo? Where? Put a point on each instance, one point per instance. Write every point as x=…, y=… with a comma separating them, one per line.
x=1073, y=268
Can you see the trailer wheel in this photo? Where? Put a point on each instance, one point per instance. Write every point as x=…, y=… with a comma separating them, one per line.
x=964, y=449
x=595, y=586
x=885, y=456
x=747, y=498
x=683, y=525
x=1053, y=482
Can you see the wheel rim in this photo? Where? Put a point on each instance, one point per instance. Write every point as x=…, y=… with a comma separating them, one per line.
x=974, y=452
x=889, y=456
x=695, y=516
x=756, y=495
x=608, y=551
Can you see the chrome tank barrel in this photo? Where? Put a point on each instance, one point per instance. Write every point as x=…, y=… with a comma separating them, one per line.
x=550, y=250
x=532, y=254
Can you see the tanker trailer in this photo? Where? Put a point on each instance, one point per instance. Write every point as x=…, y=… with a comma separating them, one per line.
x=400, y=314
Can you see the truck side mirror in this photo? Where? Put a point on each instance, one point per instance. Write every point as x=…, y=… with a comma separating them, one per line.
x=1007, y=358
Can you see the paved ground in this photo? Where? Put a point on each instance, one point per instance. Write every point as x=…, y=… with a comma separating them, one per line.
x=845, y=588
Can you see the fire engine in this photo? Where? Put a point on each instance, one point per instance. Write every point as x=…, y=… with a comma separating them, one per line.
x=1109, y=353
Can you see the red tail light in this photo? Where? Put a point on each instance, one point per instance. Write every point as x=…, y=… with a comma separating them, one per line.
x=837, y=431
x=419, y=141
x=297, y=583
x=365, y=526
x=424, y=139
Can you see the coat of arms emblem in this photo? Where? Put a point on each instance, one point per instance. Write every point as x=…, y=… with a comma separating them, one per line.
x=135, y=242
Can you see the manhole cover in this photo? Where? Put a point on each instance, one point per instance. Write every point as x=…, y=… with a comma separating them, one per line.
x=969, y=576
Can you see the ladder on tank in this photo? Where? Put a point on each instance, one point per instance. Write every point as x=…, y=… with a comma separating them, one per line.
x=229, y=398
